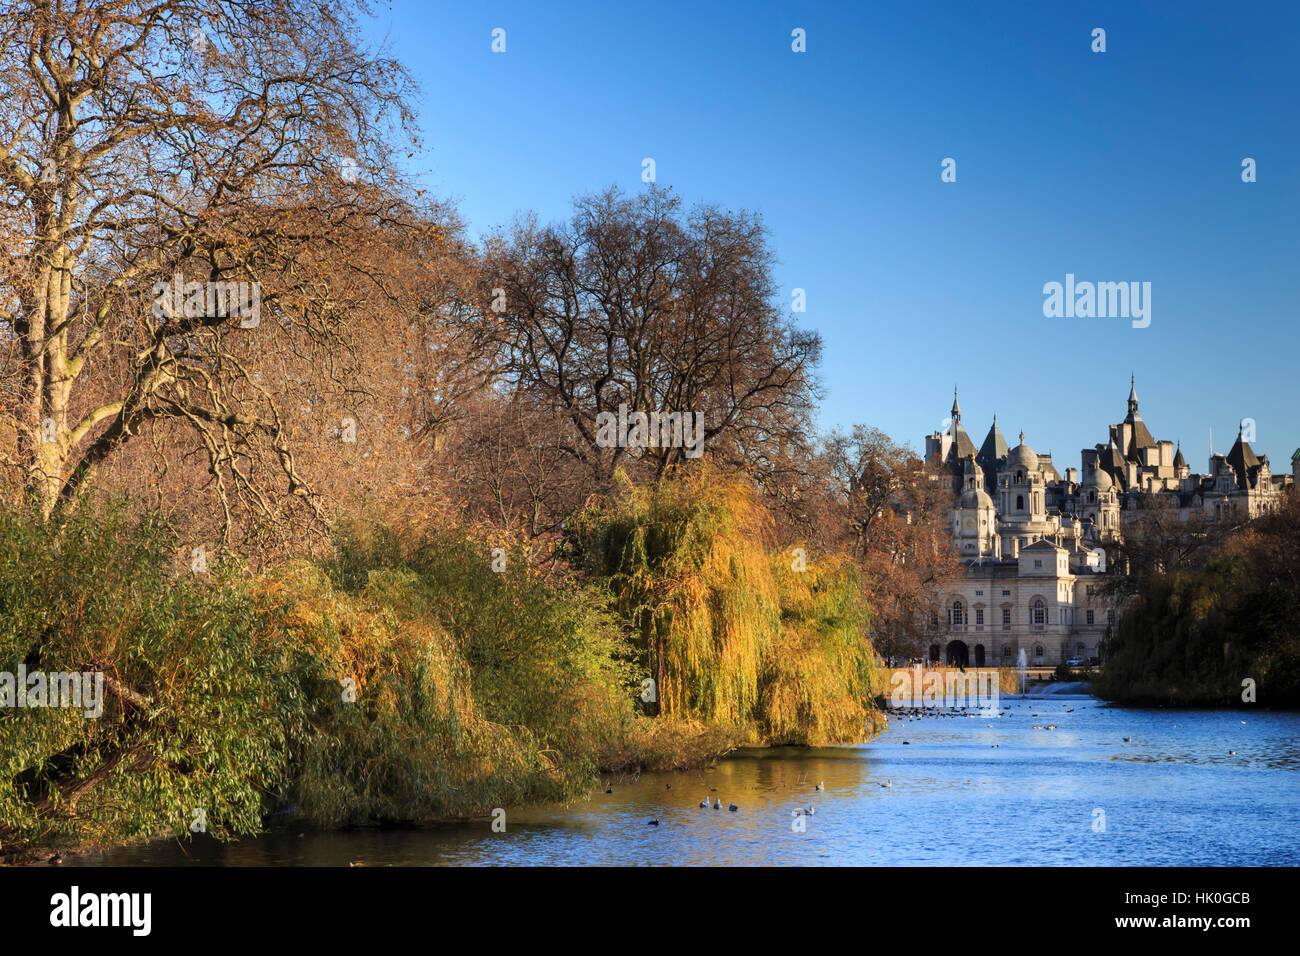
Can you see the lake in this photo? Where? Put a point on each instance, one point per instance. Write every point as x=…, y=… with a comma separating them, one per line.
x=961, y=790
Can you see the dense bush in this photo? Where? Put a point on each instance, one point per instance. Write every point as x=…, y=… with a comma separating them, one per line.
x=475, y=688
x=198, y=707
x=404, y=680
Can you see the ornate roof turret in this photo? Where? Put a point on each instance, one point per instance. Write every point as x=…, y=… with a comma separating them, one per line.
x=1141, y=434
x=962, y=446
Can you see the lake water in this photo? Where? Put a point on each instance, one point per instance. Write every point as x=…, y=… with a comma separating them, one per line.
x=964, y=790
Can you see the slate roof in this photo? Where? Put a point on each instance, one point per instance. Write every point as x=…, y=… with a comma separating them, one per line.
x=1243, y=460
x=995, y=447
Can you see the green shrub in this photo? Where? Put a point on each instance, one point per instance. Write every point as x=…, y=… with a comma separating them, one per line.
x=475, y=688
x=197, y=709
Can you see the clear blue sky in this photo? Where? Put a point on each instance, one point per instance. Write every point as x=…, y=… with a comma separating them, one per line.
x=1123, y=165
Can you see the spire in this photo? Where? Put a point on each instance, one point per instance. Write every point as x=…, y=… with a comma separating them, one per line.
x=956, y=408
x=1132, y=395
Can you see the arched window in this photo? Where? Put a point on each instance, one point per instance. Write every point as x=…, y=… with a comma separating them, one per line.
x=1020, y=502
x=1020, y=476
x=1038, y=650
x=1039, y=615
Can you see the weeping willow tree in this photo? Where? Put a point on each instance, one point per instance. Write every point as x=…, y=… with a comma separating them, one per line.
x=820, y=677
x=732, y=630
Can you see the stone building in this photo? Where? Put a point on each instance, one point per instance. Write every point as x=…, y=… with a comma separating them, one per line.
x=1035, y=543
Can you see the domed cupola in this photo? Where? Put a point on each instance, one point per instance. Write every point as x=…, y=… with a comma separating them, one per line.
x=1099, y=479
x=1022, y=457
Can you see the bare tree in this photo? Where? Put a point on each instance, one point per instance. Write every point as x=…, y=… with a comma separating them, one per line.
x=510, y=469
x=635, y=304
x=1160, y=538
x=881, y=503
x=217, y=142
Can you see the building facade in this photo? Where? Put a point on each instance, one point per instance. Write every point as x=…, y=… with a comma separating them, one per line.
x=1036, y=546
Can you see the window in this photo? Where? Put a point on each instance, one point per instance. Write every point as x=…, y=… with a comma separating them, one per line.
x=1006, y=617
x=979, y=615
x=1079, y=648
x=979, y=593
x=1038, y=651
x=1110, y=616
x=1006, y=594
x=1020, y=502
x=1039, y=616
x=1038, y=564
x=1006, y=651
x=1091, y=615
x=956, y=617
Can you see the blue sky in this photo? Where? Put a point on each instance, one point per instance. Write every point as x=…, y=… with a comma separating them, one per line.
x=1115, y=166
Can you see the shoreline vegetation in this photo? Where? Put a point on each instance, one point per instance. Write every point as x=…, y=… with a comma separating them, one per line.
x=412, y=676
x=402, y=678
x=1223, y=632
